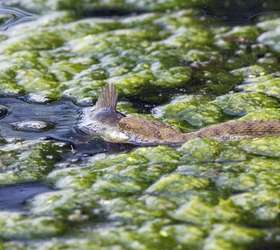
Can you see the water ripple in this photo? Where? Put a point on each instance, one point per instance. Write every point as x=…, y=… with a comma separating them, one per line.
x=14, y=16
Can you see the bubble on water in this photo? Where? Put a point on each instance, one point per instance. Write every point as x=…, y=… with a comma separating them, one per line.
x=32, y=126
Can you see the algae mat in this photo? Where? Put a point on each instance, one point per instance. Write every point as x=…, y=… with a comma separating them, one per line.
x=172, y=60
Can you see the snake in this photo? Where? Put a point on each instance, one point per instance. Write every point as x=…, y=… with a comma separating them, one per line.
x=105, y=121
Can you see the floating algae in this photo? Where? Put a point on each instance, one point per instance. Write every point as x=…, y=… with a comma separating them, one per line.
x=169, y=61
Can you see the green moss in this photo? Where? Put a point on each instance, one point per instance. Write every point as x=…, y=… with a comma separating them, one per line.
x=127, y=108
x=128, y=210
x=215, y=81
x=141, y=59
x=36, y=82
x=269, y=24
x=250, y=72
x=116, y=185
x=73, y=178
x=199, y=56
x=241, y=34
x=249, y=175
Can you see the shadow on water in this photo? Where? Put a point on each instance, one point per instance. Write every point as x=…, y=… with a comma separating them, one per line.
x=13, y=197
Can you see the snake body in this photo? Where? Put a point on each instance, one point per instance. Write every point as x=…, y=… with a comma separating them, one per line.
x=105, y=121
x=156, y=133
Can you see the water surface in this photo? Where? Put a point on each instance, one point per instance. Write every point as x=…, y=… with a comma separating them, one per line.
x=13, y=197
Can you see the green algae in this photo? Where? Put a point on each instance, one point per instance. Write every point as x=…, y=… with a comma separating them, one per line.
x=197, y=211
x=268, y=85
x=28, y=161
x=239, y=104
x=262, y=146
x=186, y=111
x=140, y=62
x=271, y=114
x=17, y=226
x=201, y=150
x=66, y=205
x=228, y=236
x=206, y=194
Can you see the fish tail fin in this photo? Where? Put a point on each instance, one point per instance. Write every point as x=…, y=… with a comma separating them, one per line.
x=108, y=98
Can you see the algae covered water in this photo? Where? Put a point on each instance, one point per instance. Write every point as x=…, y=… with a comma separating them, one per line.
x=186, y=63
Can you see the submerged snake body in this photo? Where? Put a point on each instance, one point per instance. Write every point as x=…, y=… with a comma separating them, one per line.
x=105, y=121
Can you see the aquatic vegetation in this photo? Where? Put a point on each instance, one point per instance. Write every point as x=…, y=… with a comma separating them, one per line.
x=15, y=225
x=186, y=111
x=169, y=61
x=79, y=57
x=28, y=161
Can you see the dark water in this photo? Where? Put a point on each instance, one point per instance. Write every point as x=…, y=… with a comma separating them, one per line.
x=14, y=197
x=63, y=117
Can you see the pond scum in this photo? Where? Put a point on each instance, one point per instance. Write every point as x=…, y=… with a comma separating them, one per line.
x=177, y=61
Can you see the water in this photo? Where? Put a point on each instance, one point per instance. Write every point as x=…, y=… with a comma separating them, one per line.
x=13, y=197
x=61, y=117
x=14, y=16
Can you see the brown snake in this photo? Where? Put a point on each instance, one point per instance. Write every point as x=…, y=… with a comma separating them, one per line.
x=104, y=120
x=159, y=133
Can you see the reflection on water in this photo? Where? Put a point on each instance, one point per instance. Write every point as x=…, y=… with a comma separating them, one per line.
x=14, y=16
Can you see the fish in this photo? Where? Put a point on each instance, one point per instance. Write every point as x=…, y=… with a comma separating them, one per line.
x=103, y=120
